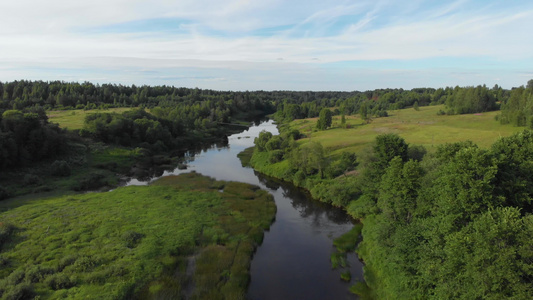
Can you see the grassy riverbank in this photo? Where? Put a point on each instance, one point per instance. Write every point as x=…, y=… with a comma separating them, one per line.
x=423, y=127
x=400, y=192
x=136, y=241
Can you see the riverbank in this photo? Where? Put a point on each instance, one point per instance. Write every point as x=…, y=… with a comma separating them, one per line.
x=452, y=206
x=136, y=241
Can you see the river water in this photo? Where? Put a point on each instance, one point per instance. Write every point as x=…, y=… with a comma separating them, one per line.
x=293, y=262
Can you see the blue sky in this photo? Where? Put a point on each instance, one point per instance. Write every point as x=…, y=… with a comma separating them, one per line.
x=269, y=44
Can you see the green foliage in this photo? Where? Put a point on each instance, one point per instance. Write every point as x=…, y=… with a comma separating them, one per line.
x=27, y=138
x=518, y=108
x=346, y=276
x=60, y=168
x=261, y=141
x=135, y=241
x=324, y=119
x=3, y=193
x=387, y=147
x=471, y=100
x=362, y=206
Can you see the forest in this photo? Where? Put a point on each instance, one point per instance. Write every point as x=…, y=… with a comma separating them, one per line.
x=449, y=220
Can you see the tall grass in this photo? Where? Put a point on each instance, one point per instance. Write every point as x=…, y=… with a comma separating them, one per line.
x=135, y=241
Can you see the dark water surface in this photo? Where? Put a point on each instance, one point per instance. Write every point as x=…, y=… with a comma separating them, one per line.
x=293, y=262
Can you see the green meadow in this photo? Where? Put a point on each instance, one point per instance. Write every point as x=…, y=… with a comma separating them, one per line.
x=423, y=127
x=74, y=119
x=183, y=236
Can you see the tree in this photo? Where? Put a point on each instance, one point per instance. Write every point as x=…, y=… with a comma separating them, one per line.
x=387, y=147
x=324, y=119
x=261, y=141
x=343, y=121
x=363, y=111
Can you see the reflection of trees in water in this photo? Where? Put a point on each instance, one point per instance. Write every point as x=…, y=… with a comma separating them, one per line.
x=198, y=149
x=269, y=182
x=303, y=202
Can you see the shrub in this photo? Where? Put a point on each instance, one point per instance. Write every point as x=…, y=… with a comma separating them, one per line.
x=91, y=181
x=60, y=281
x=20, y=292
x=66, y=261
x=15, y=277
x=38, y=273
x=3, y=193
x=60, y=168
x=6, y=230
x=31, y=179
x=275, y=156
x=132, y=238
x=84, y=264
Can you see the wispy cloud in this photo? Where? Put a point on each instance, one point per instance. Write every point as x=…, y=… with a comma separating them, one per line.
x=272, y=37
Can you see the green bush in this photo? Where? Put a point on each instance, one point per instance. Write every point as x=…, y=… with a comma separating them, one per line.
x=84, y=264
x=132, y=238
x=3, y=193
x=275, y=156
x=60, y=168
x=31, y=179
x=19, y=292
x=6, y=230
x=60, y=281
x=91, y=181
x=66, y=261
x=38, y=273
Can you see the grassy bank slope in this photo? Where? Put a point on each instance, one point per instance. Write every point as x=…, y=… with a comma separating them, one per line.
x=136, y=241
x=423, y=127
x=74, y=119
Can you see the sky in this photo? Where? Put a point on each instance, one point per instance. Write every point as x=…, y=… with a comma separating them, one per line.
x=269, y=44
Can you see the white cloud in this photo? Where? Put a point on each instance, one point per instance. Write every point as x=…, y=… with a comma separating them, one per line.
x=37, y=34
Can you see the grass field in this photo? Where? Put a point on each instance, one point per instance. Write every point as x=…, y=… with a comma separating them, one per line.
x=423, y=127
x=135, y=241
x=73, y=119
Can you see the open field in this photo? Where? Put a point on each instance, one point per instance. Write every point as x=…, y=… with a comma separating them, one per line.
x=135, y=241
x=73, y=119
x=423, y=127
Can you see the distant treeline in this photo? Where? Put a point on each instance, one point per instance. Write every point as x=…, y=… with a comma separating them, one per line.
x=458, y=100
x=179, y=115
x=518, y=109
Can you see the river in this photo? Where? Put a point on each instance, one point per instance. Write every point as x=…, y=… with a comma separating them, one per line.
x=293, y=262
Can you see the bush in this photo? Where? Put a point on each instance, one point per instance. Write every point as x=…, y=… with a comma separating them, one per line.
x=6, y=230
x=60, y=168
x=60, y=281
x=275, y=156
x=16, y=277
x=66, y=261
x=3, y=193
x=31, y=179
x=37, y=273
x=132, y=238
x=84, y=264
x=91, y=181
x=362, y=207
x=416, y=152
x=20, y=292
